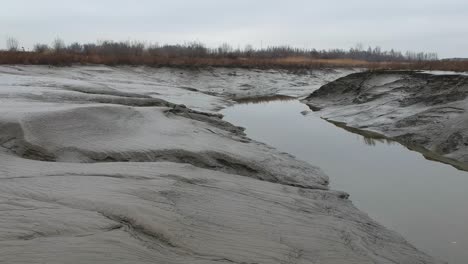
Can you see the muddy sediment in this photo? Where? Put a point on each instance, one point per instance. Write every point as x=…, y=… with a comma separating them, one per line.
x=92, y=172
x=425, y=112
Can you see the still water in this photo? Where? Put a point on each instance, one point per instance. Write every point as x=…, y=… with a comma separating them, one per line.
x=425, y=201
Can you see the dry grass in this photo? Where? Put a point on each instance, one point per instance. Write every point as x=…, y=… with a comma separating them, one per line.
x=65, y=59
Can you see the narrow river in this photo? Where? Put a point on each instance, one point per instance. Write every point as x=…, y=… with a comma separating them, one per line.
x=425, y=201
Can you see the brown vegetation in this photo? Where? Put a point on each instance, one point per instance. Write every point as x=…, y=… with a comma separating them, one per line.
x=197, y=55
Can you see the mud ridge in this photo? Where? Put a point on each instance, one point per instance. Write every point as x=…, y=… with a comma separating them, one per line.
x=210, y=118
x=424, y=112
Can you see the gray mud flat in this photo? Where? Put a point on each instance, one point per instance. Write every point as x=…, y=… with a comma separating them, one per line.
x=98, y=165
x=425, y=112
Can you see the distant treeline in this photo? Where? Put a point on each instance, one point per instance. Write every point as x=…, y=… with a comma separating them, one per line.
x=197, y=54
x=197, y=49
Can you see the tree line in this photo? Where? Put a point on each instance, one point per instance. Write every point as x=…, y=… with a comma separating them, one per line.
x=199, y=50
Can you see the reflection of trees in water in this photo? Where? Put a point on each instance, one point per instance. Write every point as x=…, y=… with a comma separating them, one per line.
x=264, y=99
x=373, y=141
x=370, y=138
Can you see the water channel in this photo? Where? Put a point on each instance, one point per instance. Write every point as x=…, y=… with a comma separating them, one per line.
x=425, y=201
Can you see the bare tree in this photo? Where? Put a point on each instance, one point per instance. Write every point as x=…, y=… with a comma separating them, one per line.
x=359, y=46
x=225, y=48
x=58, y=45
x=12, y=44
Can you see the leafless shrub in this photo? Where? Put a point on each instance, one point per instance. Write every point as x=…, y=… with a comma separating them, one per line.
x=75, y=48
x=12, y=44
x=41, y=48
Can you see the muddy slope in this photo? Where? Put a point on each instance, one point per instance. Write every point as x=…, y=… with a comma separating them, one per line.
x=208, y=89
x=426, y=112
x=108, y=172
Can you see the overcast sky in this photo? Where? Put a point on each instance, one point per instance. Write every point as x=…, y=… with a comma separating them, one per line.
x=419, y=25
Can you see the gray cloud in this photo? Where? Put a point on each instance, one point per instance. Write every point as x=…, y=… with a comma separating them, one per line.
x=405, y=25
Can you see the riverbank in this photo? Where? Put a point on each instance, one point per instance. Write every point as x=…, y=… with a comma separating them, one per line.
x=102, y=164
x=424, y=111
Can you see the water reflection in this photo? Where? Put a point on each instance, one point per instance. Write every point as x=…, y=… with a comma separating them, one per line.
x=369, y=138
x=423, y=200
x=264, y=99
x=373, y=141
x=372, y=138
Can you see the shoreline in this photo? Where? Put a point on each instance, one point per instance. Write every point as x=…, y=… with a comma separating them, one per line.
x=429, y=155
x=150, y=180
x=424, y=112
